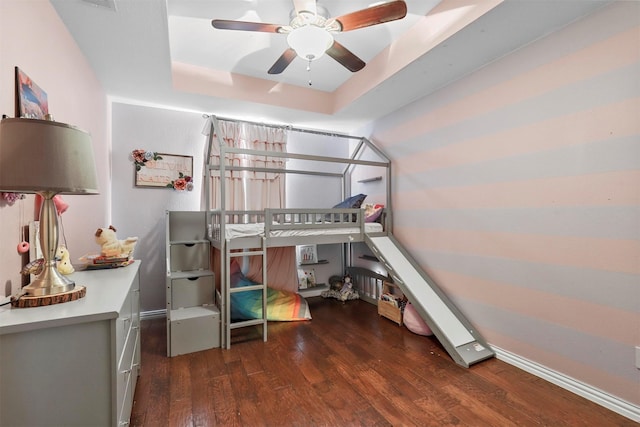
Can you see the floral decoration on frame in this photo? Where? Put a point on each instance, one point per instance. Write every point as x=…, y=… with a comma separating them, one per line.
x=11, y=198
x=163, y=170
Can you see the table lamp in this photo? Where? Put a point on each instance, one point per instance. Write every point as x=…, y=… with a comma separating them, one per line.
x=47, y=158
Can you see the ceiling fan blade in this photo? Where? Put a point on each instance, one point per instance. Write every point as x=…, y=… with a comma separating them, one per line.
x=225, y=24
x=344, y=56
x=305, y=5
x=374, y=15
x=282, y=62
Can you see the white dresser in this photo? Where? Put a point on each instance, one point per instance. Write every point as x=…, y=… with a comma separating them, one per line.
x=76, y=363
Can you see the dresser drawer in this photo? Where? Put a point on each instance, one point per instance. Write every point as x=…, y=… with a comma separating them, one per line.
x=127, y=372
x=126, y=404
x=189, y=256
x=135, y=305
x=123, y=324
x=125, y=359
x=192, y=291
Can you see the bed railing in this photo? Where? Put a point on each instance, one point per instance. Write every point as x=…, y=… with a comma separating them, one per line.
x=216, y=222
x=286, y=219
x=291, y=219
x=368, y=283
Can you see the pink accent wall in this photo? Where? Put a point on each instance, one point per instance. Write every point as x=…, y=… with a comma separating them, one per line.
x=517, y=188
x=49, y=55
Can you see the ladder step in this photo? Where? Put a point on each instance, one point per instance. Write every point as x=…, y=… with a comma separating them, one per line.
x=244, y=323
x=246, y=288
x=250, y=253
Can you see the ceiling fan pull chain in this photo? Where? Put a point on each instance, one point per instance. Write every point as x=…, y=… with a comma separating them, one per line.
x=309, y=71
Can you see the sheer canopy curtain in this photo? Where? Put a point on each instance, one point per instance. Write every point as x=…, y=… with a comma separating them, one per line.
x=249, y=190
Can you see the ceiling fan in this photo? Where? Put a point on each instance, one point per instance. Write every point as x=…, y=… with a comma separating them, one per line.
x=310, y=31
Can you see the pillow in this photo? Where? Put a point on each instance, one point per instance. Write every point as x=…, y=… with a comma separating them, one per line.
x=372, y=212
x=353, y=202
x=414, y=322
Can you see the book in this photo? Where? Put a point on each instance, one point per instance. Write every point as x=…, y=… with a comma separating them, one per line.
x=101, y=259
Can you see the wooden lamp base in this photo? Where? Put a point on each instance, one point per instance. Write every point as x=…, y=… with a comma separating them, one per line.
x=27, y=301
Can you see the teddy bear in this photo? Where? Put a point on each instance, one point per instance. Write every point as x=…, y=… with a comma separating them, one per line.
x=111, y=246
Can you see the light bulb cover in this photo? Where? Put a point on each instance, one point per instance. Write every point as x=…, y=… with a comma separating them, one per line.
x=309, y=41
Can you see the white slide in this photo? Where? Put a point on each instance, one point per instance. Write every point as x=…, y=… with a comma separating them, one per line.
x=448, y=324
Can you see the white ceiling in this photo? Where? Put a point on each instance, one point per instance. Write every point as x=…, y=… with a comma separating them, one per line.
x=133, y=44
x=193, y=40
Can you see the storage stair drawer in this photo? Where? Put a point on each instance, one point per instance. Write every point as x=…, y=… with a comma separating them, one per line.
x=194, y=329
x=189, y=256
x=192, y=291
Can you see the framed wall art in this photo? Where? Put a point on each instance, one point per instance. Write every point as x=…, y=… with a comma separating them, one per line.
x=31, y=100
x=163, y=170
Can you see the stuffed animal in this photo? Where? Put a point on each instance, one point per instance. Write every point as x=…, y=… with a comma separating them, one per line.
x=346, y=292
x=63, y=263
x=111, y=246
x=341, y=288
x=335, y=283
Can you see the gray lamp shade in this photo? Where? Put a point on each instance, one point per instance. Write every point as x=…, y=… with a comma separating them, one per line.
x=45, y=156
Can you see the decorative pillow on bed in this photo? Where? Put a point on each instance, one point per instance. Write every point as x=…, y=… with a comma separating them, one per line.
x=372, y=212
x=353, y=202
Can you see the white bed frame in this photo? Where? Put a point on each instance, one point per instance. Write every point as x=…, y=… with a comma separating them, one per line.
x=284, y=227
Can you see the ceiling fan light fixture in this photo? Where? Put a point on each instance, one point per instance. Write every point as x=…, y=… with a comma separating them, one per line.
x=309, y=41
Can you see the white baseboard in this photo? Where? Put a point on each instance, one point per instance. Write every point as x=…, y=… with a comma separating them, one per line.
x=591, y=393
x=153, y=314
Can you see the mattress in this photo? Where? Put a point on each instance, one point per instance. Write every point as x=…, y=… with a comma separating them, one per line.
x=234, y=231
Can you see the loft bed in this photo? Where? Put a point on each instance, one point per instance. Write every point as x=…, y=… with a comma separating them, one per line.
x=254, y=235
x=241, y=234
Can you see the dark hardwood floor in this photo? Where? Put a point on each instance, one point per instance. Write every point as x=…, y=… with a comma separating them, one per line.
x=346, y=367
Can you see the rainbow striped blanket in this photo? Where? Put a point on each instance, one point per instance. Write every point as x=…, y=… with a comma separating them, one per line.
x=281, y=305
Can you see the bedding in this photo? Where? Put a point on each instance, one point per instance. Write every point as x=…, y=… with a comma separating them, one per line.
x=281, y=305
x=233, y=231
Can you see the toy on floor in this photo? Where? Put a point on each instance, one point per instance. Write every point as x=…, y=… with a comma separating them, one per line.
x=111, y=246
x=341, y=289
x=63, y=263
x=414, y=322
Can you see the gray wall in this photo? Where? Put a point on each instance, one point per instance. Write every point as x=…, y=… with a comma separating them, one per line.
x=140, y=211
